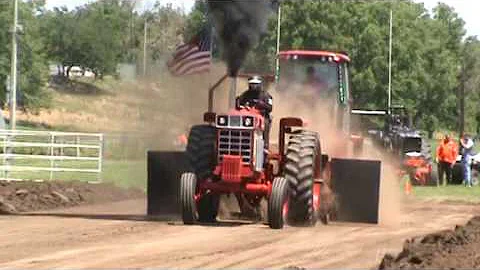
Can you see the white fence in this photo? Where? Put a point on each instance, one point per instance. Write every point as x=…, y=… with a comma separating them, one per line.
x=42, y=155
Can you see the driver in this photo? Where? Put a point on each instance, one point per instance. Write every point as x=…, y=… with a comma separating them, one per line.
x=317, y=84
x=257, y=97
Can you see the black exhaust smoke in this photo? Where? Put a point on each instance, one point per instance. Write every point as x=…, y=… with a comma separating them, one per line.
x=239, y=24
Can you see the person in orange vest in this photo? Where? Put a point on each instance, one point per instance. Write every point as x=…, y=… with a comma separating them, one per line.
x=447, y=152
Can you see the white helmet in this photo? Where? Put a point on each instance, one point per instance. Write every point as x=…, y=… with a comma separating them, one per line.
x=255, y=83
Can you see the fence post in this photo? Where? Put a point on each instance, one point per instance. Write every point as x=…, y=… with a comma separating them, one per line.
x=52, y=141
x=78, y=147
x=8, y=150
x=5, y=157
x=62, y=141
x=100, y=157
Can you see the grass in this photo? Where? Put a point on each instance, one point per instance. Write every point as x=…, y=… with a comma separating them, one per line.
x=448, y=193
x=126, y=173
x=123, y=173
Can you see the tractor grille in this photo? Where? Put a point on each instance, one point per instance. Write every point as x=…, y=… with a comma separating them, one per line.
x=236, y=143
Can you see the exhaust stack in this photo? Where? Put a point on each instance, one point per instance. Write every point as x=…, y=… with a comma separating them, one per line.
x=233, y=92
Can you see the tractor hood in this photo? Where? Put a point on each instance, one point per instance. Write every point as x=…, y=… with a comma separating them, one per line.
x=244, y=118
x=408, y=133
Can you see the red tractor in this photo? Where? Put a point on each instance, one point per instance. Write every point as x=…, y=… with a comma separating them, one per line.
x=226, y=155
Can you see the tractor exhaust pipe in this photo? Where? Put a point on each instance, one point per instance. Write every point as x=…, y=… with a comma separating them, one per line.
x=211, y=92
x=233, y=92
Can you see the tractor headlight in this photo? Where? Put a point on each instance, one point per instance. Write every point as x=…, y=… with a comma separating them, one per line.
x=222, y=120
x=248, y=121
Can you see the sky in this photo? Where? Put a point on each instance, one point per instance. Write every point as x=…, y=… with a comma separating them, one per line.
x=467, y=9
x=186, y=4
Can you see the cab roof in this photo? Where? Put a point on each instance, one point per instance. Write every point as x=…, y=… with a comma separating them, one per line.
x=339, y=57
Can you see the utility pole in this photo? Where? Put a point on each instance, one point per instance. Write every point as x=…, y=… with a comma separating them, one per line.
x=462, y=101
x=390, y=66
x=277, y=63
x=13, y=103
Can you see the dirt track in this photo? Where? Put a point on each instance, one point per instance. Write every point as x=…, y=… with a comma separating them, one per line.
x=119, y=235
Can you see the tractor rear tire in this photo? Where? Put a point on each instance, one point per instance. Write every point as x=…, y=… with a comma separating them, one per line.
x=426, y=151
x=301, y=158
x=201, y=150
x=475, y=176
x=276, y=203
x=207, y=208
x=457, y=174
x=433, y=179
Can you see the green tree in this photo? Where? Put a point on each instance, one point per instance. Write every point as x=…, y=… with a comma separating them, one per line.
x=96, y=36
x=471, y=77
x=425, y=51
x=165, y=30
x=196, y=20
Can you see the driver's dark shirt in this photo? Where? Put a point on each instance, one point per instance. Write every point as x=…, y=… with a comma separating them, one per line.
x=262, y=100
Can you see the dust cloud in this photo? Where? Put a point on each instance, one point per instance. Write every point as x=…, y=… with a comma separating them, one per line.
x=154, y=111
x=319, y=117
x=175, y=104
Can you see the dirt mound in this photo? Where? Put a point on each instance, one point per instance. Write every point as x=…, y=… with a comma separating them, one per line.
x=449, y=249
x=16, y=197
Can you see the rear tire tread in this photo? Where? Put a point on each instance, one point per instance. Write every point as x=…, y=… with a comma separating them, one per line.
x=301, y=154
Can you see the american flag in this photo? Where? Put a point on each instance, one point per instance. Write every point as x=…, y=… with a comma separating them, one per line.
x=192, y=57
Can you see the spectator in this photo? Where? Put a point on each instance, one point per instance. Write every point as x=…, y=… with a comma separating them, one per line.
x=467, y=153
x=447, y=153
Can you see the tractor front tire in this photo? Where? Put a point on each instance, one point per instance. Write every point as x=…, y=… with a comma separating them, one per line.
x=278, y=203
x=205, y=210
x=202, y=159
x=301, y=158
x=188, y=186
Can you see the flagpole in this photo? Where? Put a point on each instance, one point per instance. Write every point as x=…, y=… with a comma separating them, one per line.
x=277, y=61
